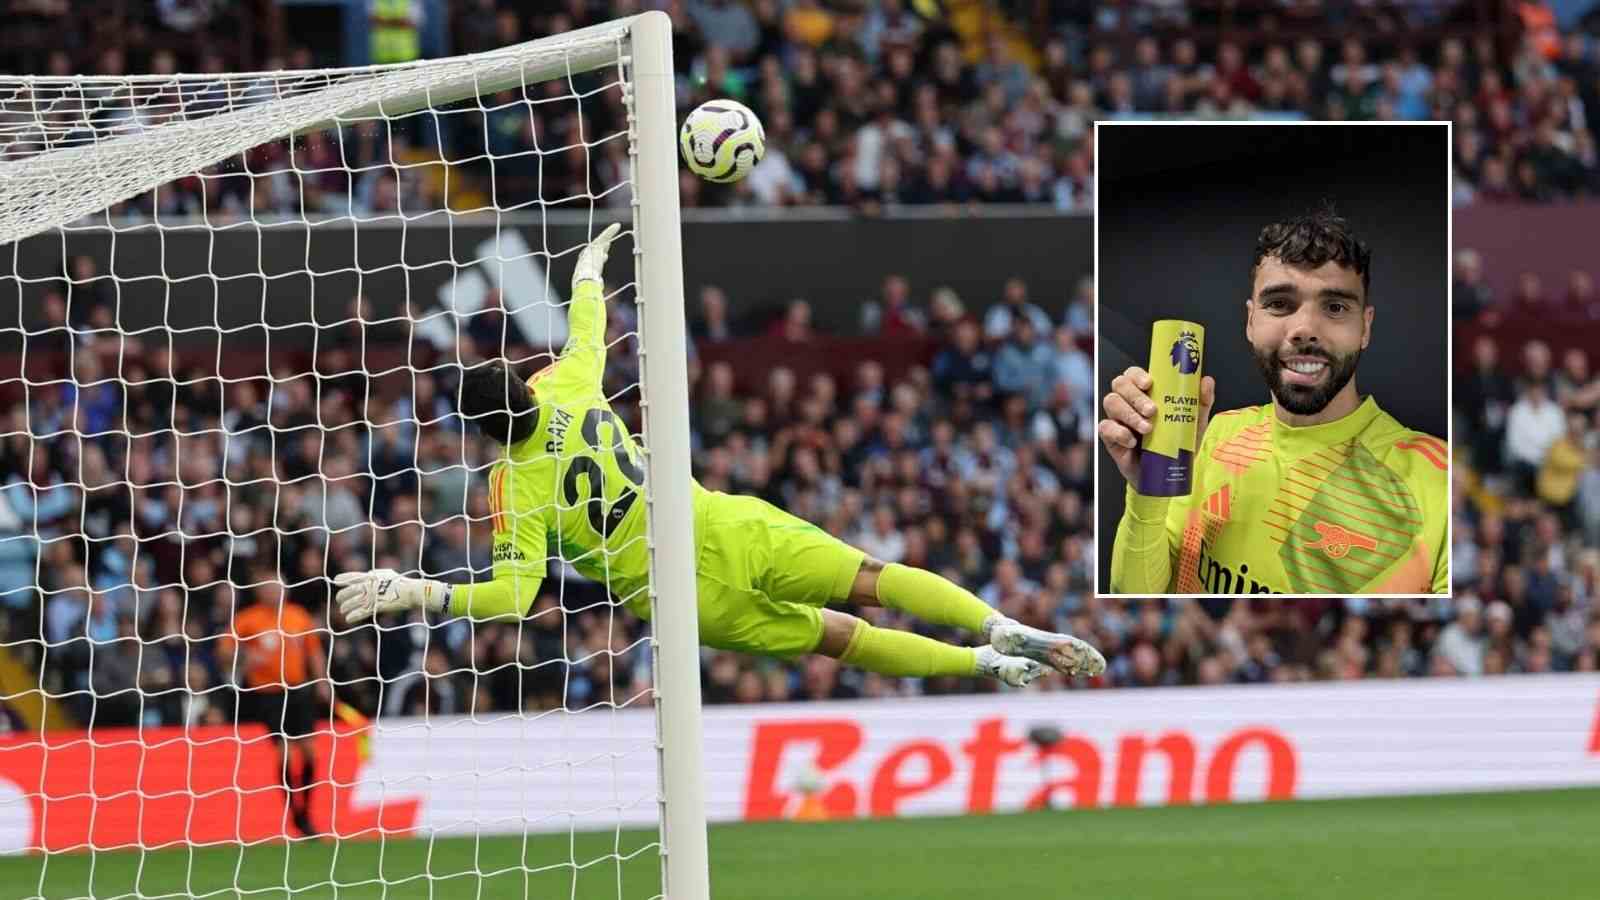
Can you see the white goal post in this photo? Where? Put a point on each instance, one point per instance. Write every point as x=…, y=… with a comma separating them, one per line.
x=664, y=370
x=78, y=154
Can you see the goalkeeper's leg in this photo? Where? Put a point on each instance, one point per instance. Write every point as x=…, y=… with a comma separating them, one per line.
x=940, y=601
x=798, y=563
x=901, y=654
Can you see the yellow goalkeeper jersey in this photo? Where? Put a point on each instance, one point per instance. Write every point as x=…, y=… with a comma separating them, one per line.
x=1352, y=507
x=576, y=481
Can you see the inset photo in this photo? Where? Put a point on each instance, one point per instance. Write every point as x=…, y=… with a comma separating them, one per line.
x=1272, y=358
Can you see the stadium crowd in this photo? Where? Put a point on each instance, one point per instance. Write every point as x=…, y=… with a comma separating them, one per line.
x=181, y=498
x=1527, y=476
x=881, y=102
x=147, y=502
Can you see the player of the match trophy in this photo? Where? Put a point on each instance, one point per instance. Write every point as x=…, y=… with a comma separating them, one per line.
x=1166, y=465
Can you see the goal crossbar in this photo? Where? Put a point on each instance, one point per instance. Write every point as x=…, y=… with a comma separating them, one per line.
x=96, y=168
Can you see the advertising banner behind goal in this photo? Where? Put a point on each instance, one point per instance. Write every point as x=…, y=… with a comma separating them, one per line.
x=934, y=756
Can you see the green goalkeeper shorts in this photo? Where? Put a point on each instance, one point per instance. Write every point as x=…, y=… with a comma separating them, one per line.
x=765, y=575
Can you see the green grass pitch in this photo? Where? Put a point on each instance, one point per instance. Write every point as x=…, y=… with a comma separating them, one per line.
x=1458, y=847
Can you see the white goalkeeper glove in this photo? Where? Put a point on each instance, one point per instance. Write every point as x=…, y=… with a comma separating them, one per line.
x=365, y=594
x=592, y=260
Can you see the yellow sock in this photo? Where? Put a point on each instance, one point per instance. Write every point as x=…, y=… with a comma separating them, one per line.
x=901, y=653
x=931, y=598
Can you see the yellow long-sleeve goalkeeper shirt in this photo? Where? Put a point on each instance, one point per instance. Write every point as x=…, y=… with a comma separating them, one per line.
x=1360, y=506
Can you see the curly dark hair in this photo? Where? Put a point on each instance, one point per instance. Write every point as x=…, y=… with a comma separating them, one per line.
x=1315, y=238
x=493, y=398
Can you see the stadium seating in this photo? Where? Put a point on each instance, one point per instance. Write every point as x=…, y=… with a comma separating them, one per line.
x=874, y=104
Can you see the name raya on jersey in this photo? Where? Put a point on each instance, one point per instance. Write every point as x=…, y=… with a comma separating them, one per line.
x=577, y=478
x=1356, y=506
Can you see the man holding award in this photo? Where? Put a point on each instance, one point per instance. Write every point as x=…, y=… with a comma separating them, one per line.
x=1317, y=492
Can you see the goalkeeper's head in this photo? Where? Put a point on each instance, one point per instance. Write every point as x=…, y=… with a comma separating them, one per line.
x=493, y=397
x=1309, y=313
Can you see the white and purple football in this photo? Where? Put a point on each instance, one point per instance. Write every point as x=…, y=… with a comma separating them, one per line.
x=722, y=141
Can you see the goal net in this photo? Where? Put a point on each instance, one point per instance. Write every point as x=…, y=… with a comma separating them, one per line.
x=234, y=313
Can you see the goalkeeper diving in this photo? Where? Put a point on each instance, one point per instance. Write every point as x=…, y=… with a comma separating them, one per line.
x=570, y=478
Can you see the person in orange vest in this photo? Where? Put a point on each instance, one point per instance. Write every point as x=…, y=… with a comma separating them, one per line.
x=1539, y=27
x=275, y=654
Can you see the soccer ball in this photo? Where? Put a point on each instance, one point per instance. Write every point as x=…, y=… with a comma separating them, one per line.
x=722, y=141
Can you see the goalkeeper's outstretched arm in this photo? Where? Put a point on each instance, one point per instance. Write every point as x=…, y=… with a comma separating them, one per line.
x=585, y=352
x=365, y=594
x=503, y=410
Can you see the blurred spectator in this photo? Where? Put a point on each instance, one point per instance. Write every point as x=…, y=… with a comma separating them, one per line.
x=998, y=321
x=273, y=650
x=1079, y=316
x=893, y=315
x=963, y=368
x=1557, y=481
x=711, y=324
x=727, y=24
x=1536, y=365
x=395, y=26
x=1581, y=302
x=1471, y=294
x=1001, y=67
x=1486, y=395
x=1069, y=366
x=719, y=410
x=1572, y=380
x=945, y=310
x=882, y=539
x=795, y=325
x=1533, y=424
x=1023, y=364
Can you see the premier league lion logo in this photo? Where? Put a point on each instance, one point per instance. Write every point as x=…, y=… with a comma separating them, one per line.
x=1186, y=353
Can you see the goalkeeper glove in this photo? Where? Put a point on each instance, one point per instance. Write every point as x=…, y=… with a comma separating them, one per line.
x=364, y=594
x=593, y=258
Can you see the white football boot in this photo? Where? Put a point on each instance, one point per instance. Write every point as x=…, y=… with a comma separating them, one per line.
x=1061, y=652
x=1013, y=670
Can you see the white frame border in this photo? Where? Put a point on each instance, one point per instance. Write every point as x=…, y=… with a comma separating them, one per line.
x=1102, y=545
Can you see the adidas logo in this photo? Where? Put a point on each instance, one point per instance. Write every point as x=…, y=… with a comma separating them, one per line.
x=1219, y=504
